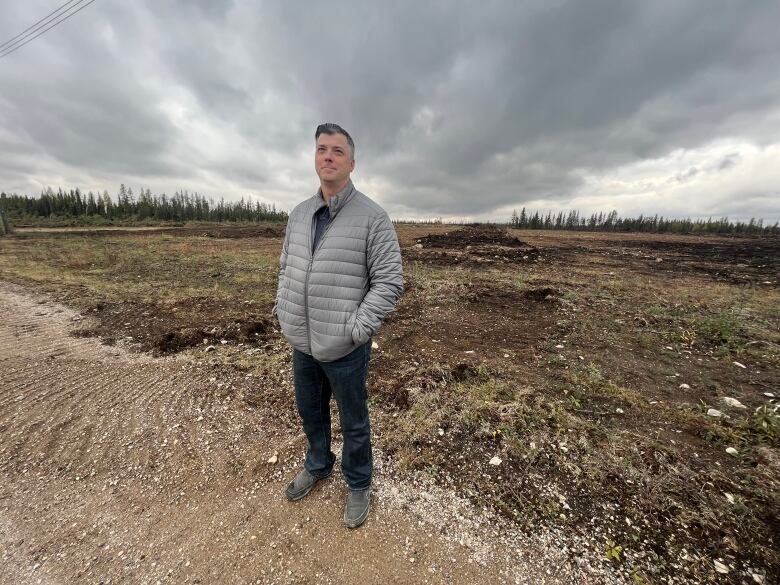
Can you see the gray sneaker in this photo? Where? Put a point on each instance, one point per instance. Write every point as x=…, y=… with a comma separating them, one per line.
x=302, y=484
x=356, y=510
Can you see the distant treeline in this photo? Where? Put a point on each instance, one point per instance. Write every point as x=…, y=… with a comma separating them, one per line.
x=611, y=222
x=181, y=206
x=184, y=206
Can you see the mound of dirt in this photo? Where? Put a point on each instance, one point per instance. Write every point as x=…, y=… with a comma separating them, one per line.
x=473, y=235
x=238, y=331
x=473, y=244
x=237, y=232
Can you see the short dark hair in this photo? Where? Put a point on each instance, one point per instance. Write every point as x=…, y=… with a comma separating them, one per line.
x=331, y=128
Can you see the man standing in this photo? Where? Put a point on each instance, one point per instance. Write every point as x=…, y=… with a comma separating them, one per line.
x=340, y=275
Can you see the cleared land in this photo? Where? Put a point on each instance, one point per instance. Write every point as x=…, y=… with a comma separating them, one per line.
x=587, y=363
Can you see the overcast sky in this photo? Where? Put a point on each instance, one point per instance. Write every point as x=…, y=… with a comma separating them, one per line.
x=458, y=110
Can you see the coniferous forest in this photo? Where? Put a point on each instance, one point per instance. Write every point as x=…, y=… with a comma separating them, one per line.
x=74, y=207
x=612, y=222
x=126, y=206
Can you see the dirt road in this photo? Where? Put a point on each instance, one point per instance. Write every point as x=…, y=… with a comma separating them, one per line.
x=122, y=468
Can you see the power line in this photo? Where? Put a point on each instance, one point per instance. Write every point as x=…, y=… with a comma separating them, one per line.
x=67, y=15
x=35, y=24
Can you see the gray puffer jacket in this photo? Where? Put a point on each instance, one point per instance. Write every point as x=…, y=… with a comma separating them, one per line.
x=330, y=302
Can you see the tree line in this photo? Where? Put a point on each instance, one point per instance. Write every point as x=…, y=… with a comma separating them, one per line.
x=611, y=222
x=127, y=206
x=184, y=206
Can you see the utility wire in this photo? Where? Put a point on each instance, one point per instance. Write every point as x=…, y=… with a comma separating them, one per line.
x=10, y=50
x=35, y=24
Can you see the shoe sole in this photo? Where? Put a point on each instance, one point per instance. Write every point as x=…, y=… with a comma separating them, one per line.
x=359, y=521
x=305, y=493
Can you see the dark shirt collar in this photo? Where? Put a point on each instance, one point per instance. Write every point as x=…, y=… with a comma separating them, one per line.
x=338, y=200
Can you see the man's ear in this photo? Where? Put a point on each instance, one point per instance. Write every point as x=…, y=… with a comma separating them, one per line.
x=352, y=165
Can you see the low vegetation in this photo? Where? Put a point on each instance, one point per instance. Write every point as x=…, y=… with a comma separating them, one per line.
x=621, y=387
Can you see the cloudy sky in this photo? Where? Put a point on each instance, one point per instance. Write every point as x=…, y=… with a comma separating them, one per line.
x=458, y=109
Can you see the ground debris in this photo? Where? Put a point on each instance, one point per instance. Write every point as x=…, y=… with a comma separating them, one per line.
x=473, y=245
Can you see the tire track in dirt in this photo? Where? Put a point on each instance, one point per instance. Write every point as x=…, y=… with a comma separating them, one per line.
x=124, y=467
x=68, y=432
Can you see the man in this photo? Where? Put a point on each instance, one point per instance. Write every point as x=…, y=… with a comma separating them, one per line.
x=340, y=275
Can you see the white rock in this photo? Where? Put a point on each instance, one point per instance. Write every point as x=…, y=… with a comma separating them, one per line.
x=729, y=497
x=757, y=578
x=273, y=459
x=619, y=410
x=684, y=387
x=418, y=246
x=559, y=346
x=374, y=345
x=769, y=395
x=720, y=567
x=506, y=355
x=496, y=460
x=732, y=451
x=732, y=402
x=714, y=412
x=211, y=348
x=743, y=366
x=441, y=432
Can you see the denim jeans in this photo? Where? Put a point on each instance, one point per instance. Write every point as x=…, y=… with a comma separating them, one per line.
x=345, y=379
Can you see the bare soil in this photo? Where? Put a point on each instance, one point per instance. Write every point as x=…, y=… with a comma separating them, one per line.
x=121, y=468
x=585, y=362
x=479, y=244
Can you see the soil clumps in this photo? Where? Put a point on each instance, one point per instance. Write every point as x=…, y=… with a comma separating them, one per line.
x=473, y=245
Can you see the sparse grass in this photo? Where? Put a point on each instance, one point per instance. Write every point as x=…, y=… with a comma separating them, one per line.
x=148, y=268
x=592, y=383
x=552, y=418
x=731, y=322
x=438, y=286
x=764, y=426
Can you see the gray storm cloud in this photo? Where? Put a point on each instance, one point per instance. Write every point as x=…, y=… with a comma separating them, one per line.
x=458, y=110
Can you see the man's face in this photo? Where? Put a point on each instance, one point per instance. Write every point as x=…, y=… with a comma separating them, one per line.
x=332, y=159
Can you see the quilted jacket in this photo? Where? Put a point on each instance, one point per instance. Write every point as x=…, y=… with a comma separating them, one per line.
x=332, y=300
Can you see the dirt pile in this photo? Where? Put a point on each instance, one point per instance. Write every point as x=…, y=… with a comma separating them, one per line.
x=237, y=232
x=470, y=245
x=166, y=330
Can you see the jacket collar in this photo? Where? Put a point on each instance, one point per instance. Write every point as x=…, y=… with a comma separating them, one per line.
x=338, y=201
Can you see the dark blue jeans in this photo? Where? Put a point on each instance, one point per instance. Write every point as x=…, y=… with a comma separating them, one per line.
x=345, y=379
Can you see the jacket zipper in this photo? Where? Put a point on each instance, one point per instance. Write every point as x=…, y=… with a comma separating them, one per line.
x=308, y=272
x=306, y=303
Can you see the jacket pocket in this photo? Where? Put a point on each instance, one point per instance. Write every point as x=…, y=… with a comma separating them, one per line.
x=359, y=337
x=350, y=325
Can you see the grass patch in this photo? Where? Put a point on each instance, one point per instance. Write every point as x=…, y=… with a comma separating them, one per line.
x=438, y=286
x=148, y=268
